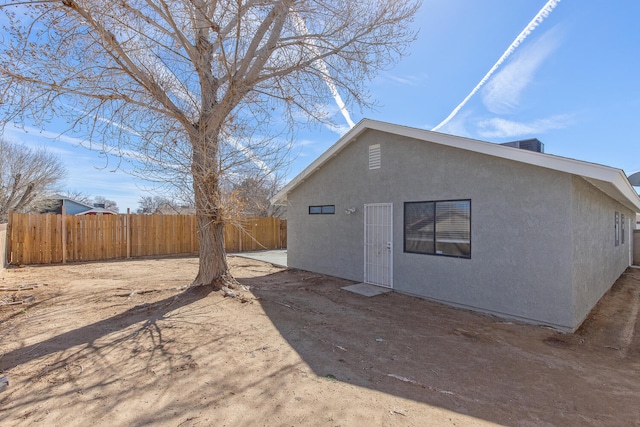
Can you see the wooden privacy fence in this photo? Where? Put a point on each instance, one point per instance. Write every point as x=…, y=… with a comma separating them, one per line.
x=50, y=238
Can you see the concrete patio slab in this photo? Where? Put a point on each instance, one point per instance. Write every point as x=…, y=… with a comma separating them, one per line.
x=275, y=257
x=366, y=289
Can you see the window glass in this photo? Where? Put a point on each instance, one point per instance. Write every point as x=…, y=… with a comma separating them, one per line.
x=418, y=226
x=453, y=228
x=322, y=209
x=439, y=227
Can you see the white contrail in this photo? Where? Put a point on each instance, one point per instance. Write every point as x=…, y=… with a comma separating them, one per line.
x=302, y=29
x=542, y=14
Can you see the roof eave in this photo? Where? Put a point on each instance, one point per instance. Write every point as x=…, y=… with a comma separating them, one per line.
x=281, y=196
x=594, y=173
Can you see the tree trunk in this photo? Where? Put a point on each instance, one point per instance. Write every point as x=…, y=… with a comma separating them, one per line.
x=213, y=269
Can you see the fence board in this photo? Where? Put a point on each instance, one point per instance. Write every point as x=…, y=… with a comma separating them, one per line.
x=38, y=238
x=3, y=244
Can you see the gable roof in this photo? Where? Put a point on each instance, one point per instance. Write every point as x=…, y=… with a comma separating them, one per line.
x=63, y=198
x=89, y=209
x=610, y=181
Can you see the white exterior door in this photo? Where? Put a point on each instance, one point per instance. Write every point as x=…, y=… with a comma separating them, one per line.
x=378, y=244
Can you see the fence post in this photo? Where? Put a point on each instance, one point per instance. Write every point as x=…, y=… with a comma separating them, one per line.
x=4, y=244
x=127, y=233
x=64, y=233
x=8, y=247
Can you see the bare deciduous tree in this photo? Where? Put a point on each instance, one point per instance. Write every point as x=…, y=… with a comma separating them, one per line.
x=251, y=197
x=108, y=204
x=76, y=195
x=212, y=88
x=151, y=204
x=27, y=177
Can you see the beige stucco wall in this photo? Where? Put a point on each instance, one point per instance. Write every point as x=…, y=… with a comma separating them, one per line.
x=597, y=261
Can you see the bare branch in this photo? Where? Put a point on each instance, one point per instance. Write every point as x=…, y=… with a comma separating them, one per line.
x=26, y=177
x=193, y=93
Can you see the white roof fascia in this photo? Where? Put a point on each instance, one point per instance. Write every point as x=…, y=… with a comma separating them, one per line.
x=281, y=196
x=596, y=174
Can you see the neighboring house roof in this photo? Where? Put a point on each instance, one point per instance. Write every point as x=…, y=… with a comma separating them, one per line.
x=95, y=211
x=610, y=181
x=75, y=207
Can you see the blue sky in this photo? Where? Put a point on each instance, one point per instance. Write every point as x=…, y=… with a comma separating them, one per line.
x=573, y=82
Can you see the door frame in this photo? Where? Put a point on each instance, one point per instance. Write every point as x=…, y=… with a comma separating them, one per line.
x=389, y=244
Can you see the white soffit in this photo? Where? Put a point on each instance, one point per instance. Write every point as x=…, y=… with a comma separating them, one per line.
x=611, y=181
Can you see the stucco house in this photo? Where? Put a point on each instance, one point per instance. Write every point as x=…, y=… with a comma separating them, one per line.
x=497, y=229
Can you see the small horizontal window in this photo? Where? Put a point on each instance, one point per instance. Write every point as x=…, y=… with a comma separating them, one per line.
x=323, y=209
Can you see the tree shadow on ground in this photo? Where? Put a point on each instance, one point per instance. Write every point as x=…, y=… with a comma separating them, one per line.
x=462, y=361
x=147, y=315
x=196, y=358
x=161, y=363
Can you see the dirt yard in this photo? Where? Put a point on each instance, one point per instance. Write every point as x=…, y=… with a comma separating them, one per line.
x=122, y=343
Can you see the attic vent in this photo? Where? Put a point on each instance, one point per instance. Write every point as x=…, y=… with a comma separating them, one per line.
x=374, y=156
